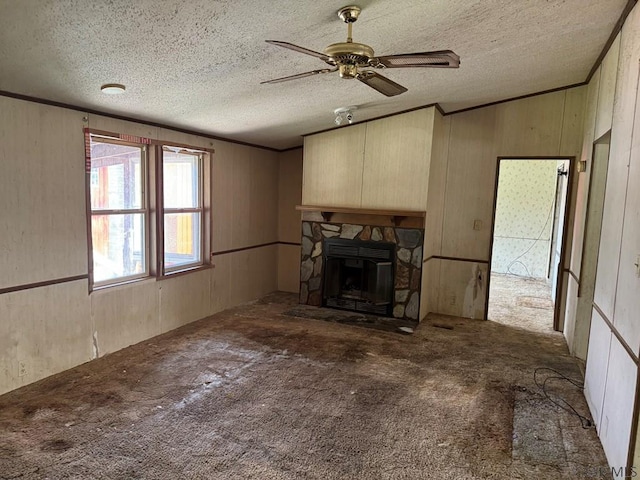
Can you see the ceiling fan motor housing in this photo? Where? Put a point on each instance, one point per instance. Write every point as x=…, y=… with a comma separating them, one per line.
x=348, y=56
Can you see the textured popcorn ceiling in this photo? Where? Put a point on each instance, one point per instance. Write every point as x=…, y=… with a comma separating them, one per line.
x=198, y=64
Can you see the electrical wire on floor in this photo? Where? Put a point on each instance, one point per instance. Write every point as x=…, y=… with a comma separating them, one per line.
x=586, y=422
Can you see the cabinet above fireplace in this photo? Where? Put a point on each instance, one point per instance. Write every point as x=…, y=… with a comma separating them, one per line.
x=381, y=163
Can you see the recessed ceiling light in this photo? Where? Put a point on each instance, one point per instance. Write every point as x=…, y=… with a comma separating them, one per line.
x=112, y=88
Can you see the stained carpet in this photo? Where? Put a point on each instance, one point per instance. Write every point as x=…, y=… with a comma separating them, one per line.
x=251, y=393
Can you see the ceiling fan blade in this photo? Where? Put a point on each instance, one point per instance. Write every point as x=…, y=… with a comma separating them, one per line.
x=296, y=48
x=300, y=75
x=382, y=84
x=439, y=59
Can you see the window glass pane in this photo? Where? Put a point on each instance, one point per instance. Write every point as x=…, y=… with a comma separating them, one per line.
x=181, y=179
x=118, y=246
x=182, y=239
x=116, y=176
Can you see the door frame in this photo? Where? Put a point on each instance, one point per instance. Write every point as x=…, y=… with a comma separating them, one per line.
x=564, y=248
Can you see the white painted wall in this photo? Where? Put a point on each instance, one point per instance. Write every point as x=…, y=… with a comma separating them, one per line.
x=44, y=237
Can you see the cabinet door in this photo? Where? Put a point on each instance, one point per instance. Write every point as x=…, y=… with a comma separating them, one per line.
x=332, y=171
x=396, y=161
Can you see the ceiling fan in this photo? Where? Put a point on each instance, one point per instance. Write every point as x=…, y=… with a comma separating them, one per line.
x=354, y=60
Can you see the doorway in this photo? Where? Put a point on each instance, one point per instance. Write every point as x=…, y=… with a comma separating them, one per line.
x=527, y=244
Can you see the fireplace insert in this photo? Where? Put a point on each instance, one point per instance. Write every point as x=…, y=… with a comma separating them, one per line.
x=359, y=275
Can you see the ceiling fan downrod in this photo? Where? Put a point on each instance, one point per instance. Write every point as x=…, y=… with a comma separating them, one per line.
x=349, y=15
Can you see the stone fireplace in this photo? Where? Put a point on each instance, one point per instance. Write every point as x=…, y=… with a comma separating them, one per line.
x=366, y=267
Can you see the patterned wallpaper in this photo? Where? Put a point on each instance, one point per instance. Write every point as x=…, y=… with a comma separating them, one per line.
x=524, y=217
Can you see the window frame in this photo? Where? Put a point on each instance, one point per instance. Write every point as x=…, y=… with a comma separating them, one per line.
x=201, y=209
x=144, y=210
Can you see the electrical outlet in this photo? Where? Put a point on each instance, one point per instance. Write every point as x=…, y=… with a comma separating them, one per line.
x=477, y=224
x=22, y=370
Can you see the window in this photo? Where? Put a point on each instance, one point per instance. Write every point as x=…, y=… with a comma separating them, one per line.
x=119, y=211
x=182, y=209
x=148, y=208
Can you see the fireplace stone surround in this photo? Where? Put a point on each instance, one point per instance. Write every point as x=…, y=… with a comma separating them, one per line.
x=408, y=261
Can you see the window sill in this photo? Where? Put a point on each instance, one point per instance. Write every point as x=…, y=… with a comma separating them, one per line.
x=186, y=271
x=149, y=278
x=124, y=283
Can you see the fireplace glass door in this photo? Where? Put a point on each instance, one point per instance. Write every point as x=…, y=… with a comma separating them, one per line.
x=359, y=275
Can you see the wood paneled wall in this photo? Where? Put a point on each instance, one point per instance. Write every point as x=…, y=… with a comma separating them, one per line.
x=397, y=155
x=540, y=126
x=333, y=163
x=42, y=186
x=42, y=194
x=289, y=226
x=434, y=220
x=378, y=164
x=612, y=323
x=454, y=178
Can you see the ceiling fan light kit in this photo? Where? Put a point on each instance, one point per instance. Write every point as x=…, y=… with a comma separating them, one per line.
x=353, y=60
x=344, y=113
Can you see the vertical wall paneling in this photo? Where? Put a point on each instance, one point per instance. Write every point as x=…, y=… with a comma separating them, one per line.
x=437, y=185
x=168, y=135
x=570, y=317
x=582, y=189
x=220, y=285
x=531, y=126
x=263, y=217
x=627, y=300
x=579, y=218
x=42, y=193
x=253, y=273
x=618, y=404
x=611, y=372
x=245, y=186
x=571, y=143
x=593, y=227
x=123, y=316
x=471, y=171
x=435, y=214
x=53, y=328
x=397, y=153
x=543, y=126
x=462, y=289
x=597, y=366
x=333, y=163
x=621, y=134
x=114, y=125
x=289, y=195
x=184, y=299
x=289, y=268
x=44, y=331
x=607, y=88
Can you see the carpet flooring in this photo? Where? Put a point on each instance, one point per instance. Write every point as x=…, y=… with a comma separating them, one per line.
x=251, y=393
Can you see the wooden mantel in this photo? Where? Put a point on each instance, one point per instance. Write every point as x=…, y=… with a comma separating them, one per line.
x=396, y=217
